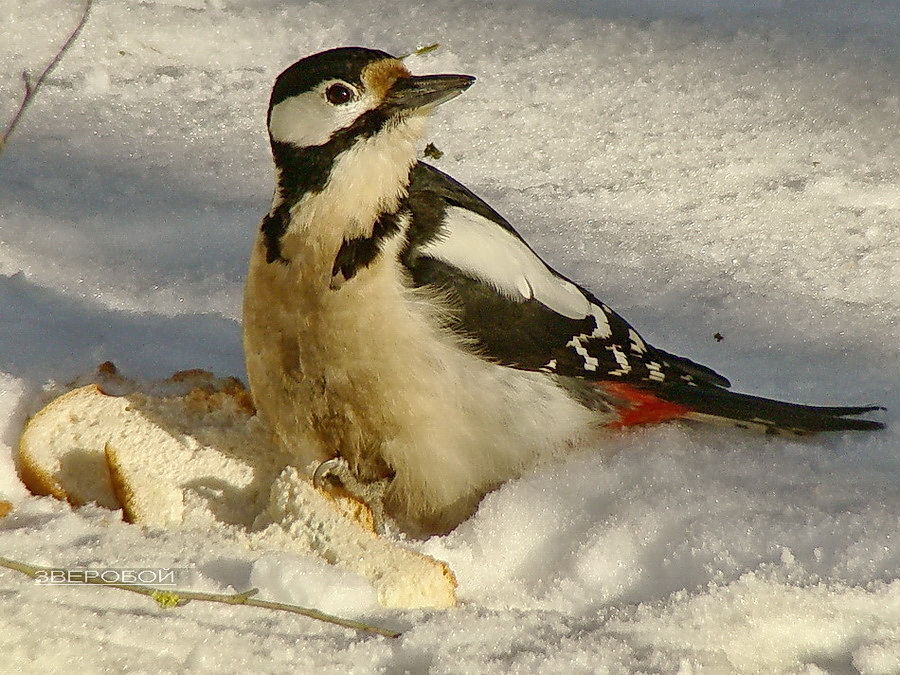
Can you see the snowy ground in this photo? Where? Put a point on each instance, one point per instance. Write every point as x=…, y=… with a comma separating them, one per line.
x=706, y=166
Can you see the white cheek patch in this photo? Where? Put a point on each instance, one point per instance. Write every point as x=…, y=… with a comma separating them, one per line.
x=308, y=119
x=485, y=251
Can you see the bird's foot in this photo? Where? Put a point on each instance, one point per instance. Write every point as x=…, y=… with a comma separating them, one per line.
x=336, y=472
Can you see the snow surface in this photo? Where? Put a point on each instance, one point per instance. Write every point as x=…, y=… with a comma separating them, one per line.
x=705, y=166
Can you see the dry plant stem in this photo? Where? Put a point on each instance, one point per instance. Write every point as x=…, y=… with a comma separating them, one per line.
x=32, y=86
x=170, y=598
x=420, y=51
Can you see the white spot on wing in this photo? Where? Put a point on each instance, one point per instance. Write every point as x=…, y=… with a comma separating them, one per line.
x=622, y=360
x=484, y=250
x=602, y=330
x=654, y=371
x=590, y=363
x=637, y=344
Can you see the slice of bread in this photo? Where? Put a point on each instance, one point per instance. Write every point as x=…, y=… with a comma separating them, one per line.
x=190, y=451
x=61, y=449
x=201, y=455
x=301, y=518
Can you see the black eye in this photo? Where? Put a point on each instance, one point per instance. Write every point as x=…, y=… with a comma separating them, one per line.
x=338, y=94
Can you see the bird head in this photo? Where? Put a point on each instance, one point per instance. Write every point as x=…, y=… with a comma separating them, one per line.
x=344, y=126
x=354, y=93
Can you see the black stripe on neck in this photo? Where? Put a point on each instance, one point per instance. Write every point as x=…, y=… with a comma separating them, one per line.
x=273, y=227
x=359, y=252
x=307, y=170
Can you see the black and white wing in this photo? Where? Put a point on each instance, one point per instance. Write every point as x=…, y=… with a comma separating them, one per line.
x=519, y=311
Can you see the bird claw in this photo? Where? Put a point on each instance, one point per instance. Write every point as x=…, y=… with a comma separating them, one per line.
x=337, y=472
x=335, y=468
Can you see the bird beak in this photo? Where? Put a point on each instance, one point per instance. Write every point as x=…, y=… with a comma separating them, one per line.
x=426, y=91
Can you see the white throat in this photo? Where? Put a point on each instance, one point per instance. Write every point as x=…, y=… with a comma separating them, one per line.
x=365, y=181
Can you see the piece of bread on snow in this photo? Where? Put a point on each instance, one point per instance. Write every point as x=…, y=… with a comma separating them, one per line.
x=62, y=448
x=300, y=518
x=58, y=450
x=179, y=459
x=190, y=451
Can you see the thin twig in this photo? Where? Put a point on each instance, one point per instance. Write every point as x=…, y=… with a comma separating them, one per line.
x=177, y=598
x=419, y=51
x=32, y=86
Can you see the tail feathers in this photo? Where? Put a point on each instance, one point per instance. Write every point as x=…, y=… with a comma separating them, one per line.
x=707, y=404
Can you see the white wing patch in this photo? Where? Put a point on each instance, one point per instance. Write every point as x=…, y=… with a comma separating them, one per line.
x=487, y=252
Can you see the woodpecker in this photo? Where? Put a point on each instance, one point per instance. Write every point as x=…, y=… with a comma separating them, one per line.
x=398, y=326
